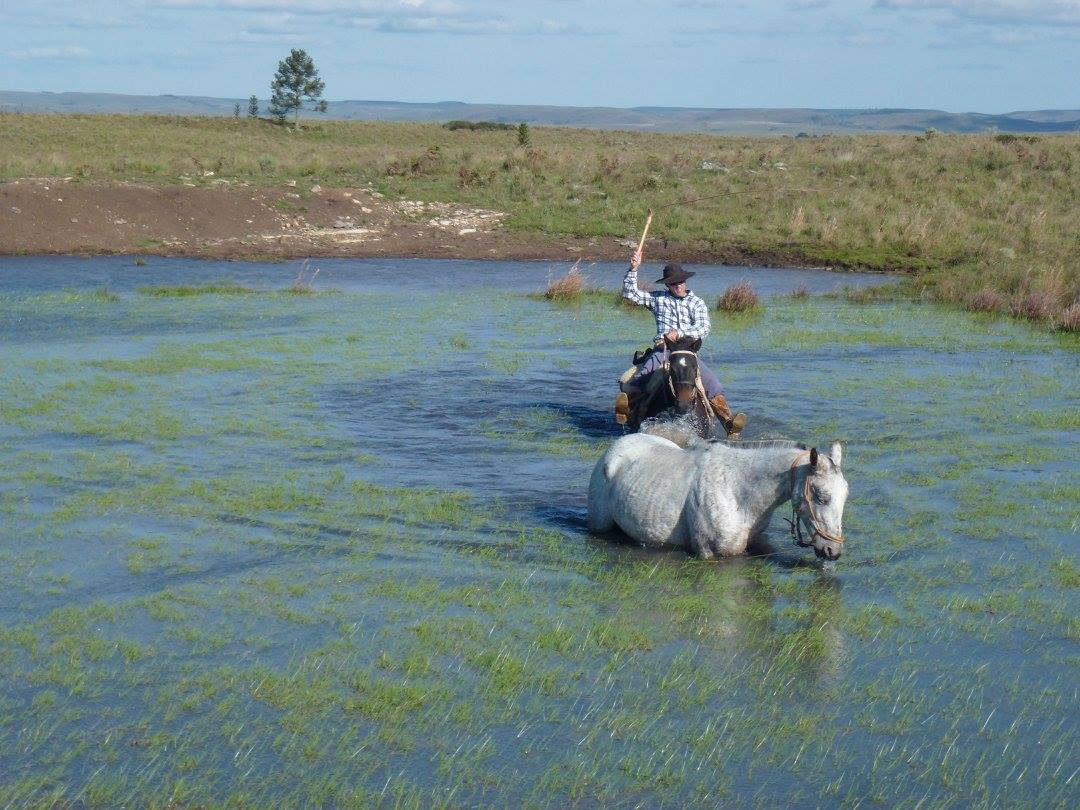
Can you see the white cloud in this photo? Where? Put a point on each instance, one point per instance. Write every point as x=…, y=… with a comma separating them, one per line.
x=864, y=39
x=997, y=12
x=364, y=8
x=67, y=52
x=481, y=27
x=383, y=16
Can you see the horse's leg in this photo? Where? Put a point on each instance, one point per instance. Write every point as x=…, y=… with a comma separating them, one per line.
x=711, y=517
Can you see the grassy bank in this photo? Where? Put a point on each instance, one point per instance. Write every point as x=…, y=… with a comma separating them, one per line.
x=988, y=222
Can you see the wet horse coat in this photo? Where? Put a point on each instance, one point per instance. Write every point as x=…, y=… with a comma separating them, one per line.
x=711, y=498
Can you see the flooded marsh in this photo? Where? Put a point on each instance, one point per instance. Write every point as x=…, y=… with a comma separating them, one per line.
x=329, y=549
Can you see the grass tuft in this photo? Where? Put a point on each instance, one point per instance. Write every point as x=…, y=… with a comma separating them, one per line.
x=986, y=300
x=1070, y=318
x=1033, y=306
x=568, y=287
x=739, y=298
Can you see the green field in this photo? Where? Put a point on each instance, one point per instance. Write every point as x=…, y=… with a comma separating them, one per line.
x=983, y=221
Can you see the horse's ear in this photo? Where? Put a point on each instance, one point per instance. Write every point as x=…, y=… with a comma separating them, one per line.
x=696, y=345
x=813, y=456
x=834, y=454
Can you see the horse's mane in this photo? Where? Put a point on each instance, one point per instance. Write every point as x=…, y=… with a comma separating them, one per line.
x=760, y=444
x=684, y=343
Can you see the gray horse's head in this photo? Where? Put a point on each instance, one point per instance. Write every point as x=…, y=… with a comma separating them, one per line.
x=819, y=492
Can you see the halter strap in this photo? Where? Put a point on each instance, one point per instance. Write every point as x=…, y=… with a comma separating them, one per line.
x=808, y=504
x=667, y=368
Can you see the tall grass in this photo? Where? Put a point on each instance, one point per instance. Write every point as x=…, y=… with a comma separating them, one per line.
x=961, y=212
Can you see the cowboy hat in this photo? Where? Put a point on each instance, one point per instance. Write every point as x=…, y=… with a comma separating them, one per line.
x=674, y=274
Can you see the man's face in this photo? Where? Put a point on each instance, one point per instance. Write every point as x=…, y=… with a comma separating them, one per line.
x=678, y=290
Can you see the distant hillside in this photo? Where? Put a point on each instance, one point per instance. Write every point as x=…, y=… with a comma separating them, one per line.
x=750, y=121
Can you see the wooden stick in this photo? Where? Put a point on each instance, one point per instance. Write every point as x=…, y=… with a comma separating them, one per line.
x=644, y=233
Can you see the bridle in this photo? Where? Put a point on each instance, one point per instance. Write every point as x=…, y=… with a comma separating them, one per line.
x=808, y=505
x=667, y=370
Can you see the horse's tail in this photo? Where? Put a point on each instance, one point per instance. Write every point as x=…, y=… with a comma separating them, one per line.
x=600, y=517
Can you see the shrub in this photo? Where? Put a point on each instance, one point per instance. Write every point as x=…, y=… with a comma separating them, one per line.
x=567, y=288
x=482, y=126
x=738, y=298
x=1008, y=137
x=1034, y=306
x=524, y=138
x=986, y=300
x=467, y=177
x=422, y=164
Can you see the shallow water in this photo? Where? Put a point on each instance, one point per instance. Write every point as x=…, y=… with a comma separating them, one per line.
x=329, y=549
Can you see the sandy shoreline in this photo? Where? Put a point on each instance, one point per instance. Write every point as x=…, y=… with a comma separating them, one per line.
x=224, y=219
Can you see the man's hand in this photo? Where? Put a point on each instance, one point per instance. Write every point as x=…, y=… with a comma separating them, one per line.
x=672, y=335
x=635, y=260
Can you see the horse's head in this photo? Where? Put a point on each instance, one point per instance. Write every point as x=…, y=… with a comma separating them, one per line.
x=818, y=494
x=683, y=370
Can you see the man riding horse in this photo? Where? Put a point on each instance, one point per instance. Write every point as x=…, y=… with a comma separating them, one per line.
x=679, y=313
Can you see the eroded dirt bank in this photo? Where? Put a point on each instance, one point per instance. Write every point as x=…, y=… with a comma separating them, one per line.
x=226, y=219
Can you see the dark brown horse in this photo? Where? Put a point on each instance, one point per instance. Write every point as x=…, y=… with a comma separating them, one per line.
x=673, y=387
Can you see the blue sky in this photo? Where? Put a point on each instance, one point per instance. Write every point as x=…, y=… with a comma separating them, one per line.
x=958, y=55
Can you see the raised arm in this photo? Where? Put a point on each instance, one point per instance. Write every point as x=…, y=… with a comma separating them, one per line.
x=630, y=289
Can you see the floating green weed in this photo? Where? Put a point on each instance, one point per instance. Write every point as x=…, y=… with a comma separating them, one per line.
x=188, y=290
x=249, y=560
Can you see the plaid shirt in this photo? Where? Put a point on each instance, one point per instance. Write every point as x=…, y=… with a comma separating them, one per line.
x=688, y=316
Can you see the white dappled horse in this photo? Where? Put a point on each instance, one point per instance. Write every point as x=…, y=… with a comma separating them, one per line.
x=712, y=497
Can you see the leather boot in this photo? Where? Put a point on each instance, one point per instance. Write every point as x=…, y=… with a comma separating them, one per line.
x=733, y=423
x=622, y=407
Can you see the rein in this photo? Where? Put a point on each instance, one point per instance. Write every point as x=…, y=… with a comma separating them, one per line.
x=808, y=504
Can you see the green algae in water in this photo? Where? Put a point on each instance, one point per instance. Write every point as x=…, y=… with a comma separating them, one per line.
x=250, y=555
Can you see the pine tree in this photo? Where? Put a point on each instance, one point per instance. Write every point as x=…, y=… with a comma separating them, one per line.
x=523, y=135
x=253, y=107
x=236, y=110
x=296, y=79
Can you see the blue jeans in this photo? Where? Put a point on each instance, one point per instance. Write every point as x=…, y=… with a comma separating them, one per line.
x=657, y=359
